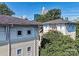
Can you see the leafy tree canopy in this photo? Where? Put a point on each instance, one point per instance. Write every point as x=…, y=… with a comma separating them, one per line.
x=56, y=44
x=50, y=15
x=5, y=10
x=77, y=30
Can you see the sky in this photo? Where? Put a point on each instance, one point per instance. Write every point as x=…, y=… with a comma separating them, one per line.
x=28, y=9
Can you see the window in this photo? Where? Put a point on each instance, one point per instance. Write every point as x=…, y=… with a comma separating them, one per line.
x=29, y=53
x=29, y=32
x=19, y=51
x=19, y=33
x=29, y=49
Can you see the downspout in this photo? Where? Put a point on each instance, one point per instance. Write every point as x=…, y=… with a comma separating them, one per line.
x=8, y=39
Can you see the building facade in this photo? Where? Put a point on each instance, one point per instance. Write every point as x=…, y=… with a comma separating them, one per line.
x=64, y=26
x=18, y=37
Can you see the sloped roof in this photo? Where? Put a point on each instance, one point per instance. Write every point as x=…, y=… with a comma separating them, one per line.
x=57, y=21
x=16, y=21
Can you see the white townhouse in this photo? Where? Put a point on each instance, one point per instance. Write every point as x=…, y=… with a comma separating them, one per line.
x=18, y=37
x=64, y=26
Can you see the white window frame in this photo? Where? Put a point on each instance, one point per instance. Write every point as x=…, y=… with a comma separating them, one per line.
x=29, y=52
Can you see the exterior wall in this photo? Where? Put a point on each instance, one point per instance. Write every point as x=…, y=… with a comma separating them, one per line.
x=61, y=28
x=58, y=27
x=13, y=32
x=72, y=35
x=14, y=36
x=21, y=45
x=24, y=40
x=71, y=30
x=4, y=50
x=46, y=28
x=24, y=46
x=71, y=27
x=66, y=29
x=2, y=33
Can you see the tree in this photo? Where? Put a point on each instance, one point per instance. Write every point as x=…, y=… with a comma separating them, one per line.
x=56, y=44
x=5, y=10
x=77, y=36
x=36, y=16
x=50, y=15
x=53, y=14
x=77, y=30
x=41, y=18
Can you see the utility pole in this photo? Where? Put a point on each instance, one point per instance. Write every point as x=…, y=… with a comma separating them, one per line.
x=8, y=39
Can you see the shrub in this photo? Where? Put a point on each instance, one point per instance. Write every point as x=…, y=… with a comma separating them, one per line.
x=56, y=44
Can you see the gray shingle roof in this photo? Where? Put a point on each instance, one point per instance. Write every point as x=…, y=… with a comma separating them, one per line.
x=57, y=21
x=16, y=21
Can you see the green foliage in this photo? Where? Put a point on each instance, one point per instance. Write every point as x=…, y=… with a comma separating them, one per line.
x=5, y=10
x=77, y=37
x=41, y=18
x=50, y=15
x=56, y=44
x=77, y=45
x=53, y=14
x=77, y=30
x=36, y=16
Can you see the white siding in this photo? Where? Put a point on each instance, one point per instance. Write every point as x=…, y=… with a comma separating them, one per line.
x=46, y=28
x=61, y=28
x=58, y=27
